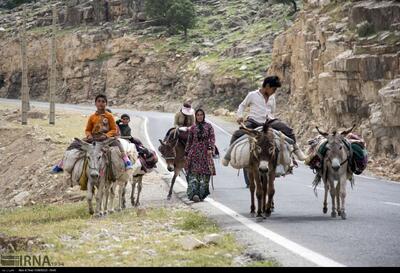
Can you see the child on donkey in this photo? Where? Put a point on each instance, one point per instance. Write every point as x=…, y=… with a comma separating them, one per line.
x=147, y=158
x=100, y=126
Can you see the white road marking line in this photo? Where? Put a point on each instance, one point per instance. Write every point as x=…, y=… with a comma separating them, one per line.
x=391, y=203
x=306, y=253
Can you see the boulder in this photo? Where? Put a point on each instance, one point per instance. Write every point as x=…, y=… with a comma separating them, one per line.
x=190, y=243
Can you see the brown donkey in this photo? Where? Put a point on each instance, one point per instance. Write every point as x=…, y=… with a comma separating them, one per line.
x=172, y=149
x=263, y=161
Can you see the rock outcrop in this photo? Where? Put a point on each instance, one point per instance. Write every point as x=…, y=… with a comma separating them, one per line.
x=340, y=62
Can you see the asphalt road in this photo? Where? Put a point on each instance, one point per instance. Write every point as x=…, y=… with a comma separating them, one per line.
x=369, y=237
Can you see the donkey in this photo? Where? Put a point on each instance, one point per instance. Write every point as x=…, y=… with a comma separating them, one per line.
x=122, y=176
x=172, y=149
x=263, y=162
x=96, y=157
x=336, y=168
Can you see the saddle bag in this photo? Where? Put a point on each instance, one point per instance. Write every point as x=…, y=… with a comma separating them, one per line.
x=240, y=155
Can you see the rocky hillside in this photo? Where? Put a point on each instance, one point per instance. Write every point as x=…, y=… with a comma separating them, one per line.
x=108, y=46
x=340, y=62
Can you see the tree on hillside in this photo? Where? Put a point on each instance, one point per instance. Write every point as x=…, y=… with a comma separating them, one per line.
x=157, y=9
x=175, y=14
x=289, y=2
x=181, y=15
x=10, y=4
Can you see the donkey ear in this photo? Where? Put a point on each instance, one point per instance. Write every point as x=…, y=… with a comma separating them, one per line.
x=83, y=144
x=162, y=143
x=108, y=141
x=345, y=132
x=323, y=133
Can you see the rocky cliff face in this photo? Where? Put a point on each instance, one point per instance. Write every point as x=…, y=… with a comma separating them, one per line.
x=340, y=62
x=107, y=46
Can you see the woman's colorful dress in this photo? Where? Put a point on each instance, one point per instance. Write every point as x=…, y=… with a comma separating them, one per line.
x=199, y=165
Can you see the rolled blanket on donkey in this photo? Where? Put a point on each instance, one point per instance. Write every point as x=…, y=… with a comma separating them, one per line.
x=358, y=153
x=240, y=155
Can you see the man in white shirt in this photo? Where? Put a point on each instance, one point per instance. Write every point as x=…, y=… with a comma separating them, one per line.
x=262, y=108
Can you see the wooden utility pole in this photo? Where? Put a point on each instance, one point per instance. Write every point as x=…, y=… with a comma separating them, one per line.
x=53, y=69
x=24, y=84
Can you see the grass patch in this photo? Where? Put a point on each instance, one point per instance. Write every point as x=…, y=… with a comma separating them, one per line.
x=195, y=222
x=121, y=239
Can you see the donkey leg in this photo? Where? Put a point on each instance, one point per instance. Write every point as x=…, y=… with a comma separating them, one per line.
x=325, y=205
x=106, y=196
x=259, y=194
x=252, y=187
x=172, y=184
x=122, y=185
x=271, y=193
x=140, y=179
x=134, y=182
x=264, y=182
x=112, y=190
x=123, y=205
x=89, y=197
x=338, y=198
x=343, y=197
x=333, y=192
x=99, y=201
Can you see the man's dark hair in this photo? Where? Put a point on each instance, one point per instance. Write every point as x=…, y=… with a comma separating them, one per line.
x=102, y=96
x=272, y=81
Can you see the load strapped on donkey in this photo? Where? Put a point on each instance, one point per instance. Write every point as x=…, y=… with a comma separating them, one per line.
x=358, y=155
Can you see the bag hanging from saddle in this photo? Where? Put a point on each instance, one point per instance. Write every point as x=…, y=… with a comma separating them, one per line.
x=148, y=158
x=359, y=161
x=84, y=179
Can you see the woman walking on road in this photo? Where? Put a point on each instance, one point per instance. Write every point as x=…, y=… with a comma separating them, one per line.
x=199, y=164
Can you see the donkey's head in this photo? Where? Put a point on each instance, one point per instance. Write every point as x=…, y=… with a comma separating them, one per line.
x=262, y=147
x=337, y=153
x=167, y=149
x=96, y=156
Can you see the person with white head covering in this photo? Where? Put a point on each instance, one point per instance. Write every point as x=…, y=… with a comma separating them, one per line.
x=185, y=116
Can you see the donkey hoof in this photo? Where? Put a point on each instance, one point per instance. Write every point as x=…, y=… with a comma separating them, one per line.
x=91, y=212
x=169, y=197
x=137, y=204
x=339, y=212
x=111, y=211
x=325, y=210
x=268, y=213
x=343, y=215
x=118, y=209
x=333, y=214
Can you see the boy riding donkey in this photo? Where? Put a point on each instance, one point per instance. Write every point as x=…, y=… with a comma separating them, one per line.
x=100, y=126
x=262, y=109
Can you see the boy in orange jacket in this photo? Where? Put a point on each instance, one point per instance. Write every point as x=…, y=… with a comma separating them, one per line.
x=100, y=126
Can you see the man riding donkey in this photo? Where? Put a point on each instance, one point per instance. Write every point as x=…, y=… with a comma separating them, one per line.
x=100, y=126
x=262, y=109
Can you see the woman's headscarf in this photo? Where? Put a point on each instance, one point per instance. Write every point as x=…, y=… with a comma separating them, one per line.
x=200, y=125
